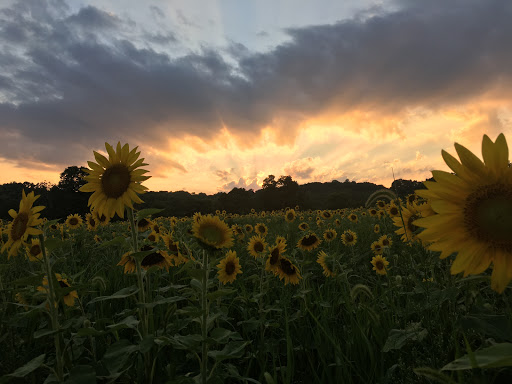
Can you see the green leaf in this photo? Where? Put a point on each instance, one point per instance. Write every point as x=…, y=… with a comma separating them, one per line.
x=399, y=337
x=127, y=322
x=43, y=332
x=121, y=294
x=117, y=355
x=31, y=366
x=142, y=254
x=434, y=375
x=233, y=350
x=146, y=344
x=53, y=243
x=498, y=355
x=219, y=293
x=116, y=242
x=165, y=300
x=185, y=342
x=143, y=213
x=222, y=335
x=82, y=374
x=497, y=326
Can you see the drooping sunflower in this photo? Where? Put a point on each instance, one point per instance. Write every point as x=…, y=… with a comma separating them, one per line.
x=156, y=258
x=290, y=215
x=309, y=242
x=69, y=298
x=23, y=223
x=377, y=248
x=349, y=238
x=213, y=232
x=92, y=223
x=288, y=271
x=380, y=264
x=257, y=246
x=275, y=254
x=34, y=251
x=143, y=225
x=326, y=214
x=385, y=241
x=116, y=181
x=410, y=231
x=102, y=219
x=474, y=212
x=261, y=229
x=129, y=262
x=326, y=261
x=330, y=234
x=229, y=267
x=353, y=218
x=376, y=228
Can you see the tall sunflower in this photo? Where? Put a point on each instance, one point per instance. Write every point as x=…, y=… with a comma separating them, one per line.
x=23, y=223
x=74, y=221
x=288, y=271
x=229, y=267
x=257, y=246
x=474, y=212
x=213, y=232
x=115, y=181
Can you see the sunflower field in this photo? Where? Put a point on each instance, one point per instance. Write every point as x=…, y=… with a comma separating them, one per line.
x=411, y=290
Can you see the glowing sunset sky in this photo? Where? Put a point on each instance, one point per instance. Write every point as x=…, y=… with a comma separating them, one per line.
x=220, y=94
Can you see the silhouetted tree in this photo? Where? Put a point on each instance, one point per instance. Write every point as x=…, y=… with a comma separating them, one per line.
x=269, y=182
x=72, y=179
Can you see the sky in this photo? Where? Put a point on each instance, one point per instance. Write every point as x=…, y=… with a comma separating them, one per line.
x=222, y=93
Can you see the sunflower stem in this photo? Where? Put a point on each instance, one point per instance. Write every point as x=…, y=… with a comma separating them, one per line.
x=53, y=310
x=204, y=325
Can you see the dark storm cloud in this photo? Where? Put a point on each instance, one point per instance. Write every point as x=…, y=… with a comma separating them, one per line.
x=73, y=81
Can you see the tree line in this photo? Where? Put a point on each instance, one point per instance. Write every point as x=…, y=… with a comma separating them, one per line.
x=64, y=198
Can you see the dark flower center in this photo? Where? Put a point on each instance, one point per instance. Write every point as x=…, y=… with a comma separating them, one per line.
x=258, y=247
x=143, y=223
x=274, y=256
x=393, y=211
x=73, y=221
x=19, y=226
x=230, y=268
x=35, y=250
x=152, y=259
x=287, y=267
x=379, y=265
x=116, y=180
x=348, y=237
x=488, y=215
x=309, y=240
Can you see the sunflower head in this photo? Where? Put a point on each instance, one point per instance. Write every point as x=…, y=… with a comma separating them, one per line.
x=34, y=251
x=213, y=232
x=290, y=215
x=309, y=242
x=288, y=272
x=228, y=268
x=380, y=265
x=349, y=238
x=116, y=181
x=257, y=246
x=327, y=263
x=330, y=235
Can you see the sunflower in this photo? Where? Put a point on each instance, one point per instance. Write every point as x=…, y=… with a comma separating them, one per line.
x=248, y=228
x=353, y=218
x=324, y=260
x=153, y=237
x=129, y=262
x=157, y=258
x=380, y=264
x=256, y=246
x=275, y=254
x=393, y=210
x=261, y=229
x=377, y=248
x=281, y=239
x=174, y=250
x=143, y=225
x=373, y=212
x=330, y=235
x=309, y=242
x=349, y=238
x=23, y=224
x=380, y=204
x=69, y=298
x=337, y=222
x=74, y=221
x=385, y=241
x=290, y=215
x=102, y=219
x=34, y=251
x=288, y=271
x=412, y=198
x=213, y=232
x=229, y=267
x=92, y=223
x=97, y=239
x=376, y=228
x=409, y=215
x=326, y=214
x=238, y=232
x=115, y=181
x=303, y=226
x=473, y=212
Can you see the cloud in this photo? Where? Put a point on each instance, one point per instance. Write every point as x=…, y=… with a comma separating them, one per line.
x=74, y=80
x=242, y=182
